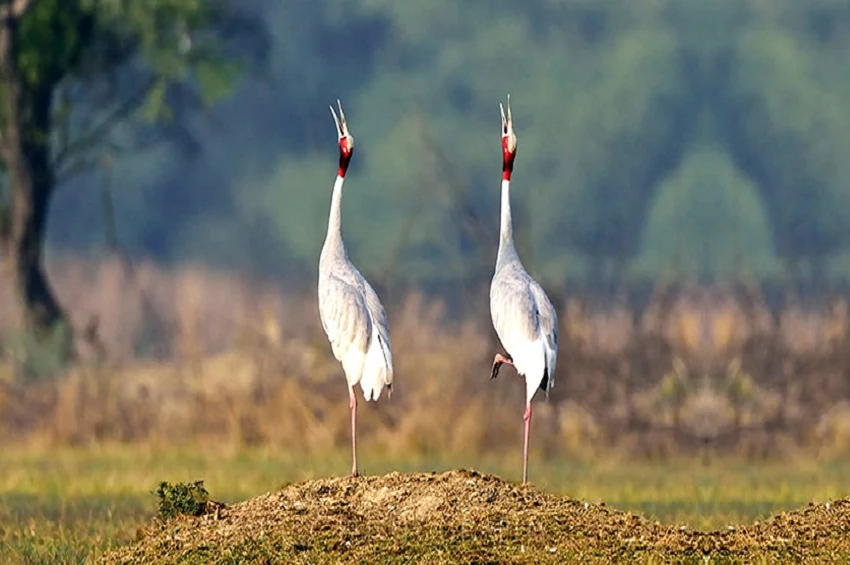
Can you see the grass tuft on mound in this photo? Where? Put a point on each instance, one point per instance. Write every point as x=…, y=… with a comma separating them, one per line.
x=190, y=499
x=466, y=517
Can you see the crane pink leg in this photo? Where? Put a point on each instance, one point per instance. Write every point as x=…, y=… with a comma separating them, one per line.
x=352, y=403
x=527, y=418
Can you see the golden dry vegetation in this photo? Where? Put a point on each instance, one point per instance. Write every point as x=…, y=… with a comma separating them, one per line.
x=466, y=517
x=189, y=354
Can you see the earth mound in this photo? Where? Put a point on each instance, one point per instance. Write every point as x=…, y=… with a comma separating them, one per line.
x=467, y=517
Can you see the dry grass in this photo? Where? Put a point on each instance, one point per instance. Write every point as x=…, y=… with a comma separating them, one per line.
x=467, y=517
x=72, y=504
x=188, y=355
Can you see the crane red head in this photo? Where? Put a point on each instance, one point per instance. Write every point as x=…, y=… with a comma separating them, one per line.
x=508, y=141
x=346, y=140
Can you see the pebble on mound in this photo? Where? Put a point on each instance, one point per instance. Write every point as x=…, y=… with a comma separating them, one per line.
x=467, y=517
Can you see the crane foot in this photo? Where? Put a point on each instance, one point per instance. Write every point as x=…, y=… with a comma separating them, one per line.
x=498, y=361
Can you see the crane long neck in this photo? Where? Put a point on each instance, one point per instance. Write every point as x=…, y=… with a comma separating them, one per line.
x=333, y=240
x=506, y=231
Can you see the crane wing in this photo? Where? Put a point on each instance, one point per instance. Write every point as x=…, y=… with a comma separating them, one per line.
x=379, y=323
x=513, y=308
x=345, y=316
x=526, y=323
x=547, y=320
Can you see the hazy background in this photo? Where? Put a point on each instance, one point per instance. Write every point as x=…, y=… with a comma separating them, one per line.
x=709, y=137
x=682, y=190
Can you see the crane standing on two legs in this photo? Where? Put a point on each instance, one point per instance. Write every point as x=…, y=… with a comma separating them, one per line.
x=352, y=315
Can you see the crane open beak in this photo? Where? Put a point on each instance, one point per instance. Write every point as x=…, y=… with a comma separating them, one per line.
x=341, y=124
x=508, y=136
x=507, y=123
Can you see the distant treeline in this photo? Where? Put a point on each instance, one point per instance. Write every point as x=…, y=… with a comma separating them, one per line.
x=701, y=139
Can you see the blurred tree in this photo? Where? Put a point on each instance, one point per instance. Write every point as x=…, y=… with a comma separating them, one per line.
x=706, y=221
x=74, y=74
x=787, y=128
x=642, y=101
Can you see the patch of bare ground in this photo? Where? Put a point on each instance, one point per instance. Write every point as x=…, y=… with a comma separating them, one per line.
x=467, y=517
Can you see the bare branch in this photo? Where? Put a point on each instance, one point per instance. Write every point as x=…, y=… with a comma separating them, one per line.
x=86, y=163
x=75, y=168
x=97, y=132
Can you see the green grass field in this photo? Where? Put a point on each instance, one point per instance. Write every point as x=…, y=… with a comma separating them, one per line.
x=70, y=505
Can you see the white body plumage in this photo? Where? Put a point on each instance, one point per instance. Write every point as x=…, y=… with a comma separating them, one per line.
x=352, y=315
x=523, y=316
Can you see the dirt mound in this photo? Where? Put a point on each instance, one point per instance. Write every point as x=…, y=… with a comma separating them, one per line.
x=466, y=517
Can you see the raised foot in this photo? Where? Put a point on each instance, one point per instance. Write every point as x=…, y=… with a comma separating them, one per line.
x=498, y=361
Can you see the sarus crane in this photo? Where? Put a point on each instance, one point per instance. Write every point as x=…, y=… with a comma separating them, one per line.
x=523, y=316
x=352, y=315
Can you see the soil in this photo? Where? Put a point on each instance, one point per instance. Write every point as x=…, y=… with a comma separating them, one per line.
x=467, y=517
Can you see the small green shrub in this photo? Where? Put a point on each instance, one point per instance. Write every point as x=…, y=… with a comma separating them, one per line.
x=36, y=358
x=182, y=498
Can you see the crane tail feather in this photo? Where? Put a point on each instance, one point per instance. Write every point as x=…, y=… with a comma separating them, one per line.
x=377, y=369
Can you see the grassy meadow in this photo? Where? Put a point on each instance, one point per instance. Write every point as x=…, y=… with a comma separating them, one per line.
x=69, y=505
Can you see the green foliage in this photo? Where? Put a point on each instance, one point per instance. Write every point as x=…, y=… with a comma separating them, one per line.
x=189, y=499
x=152, y=45
x=707, y=219
x=216, y=78
x=637, y=101
x=794, y=127
x=648, y=138
x=53, y=35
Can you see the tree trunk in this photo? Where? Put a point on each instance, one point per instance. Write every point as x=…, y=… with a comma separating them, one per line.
x=25, y=150
x=32, y=187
